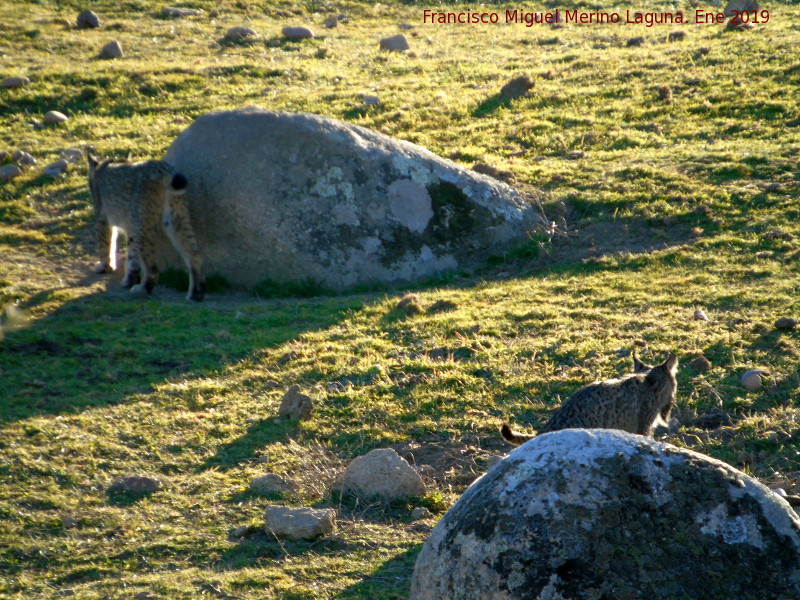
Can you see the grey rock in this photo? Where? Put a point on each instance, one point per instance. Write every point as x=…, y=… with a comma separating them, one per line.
x=236, y=34
x=395, y=43
x=384, y=473
x=372, y=100
x=14, y=82
x=87, y=20
x=270, y=484
x=296, y=405
x=406, y=26
x=22, y=158
x=701, y=363
x=419, y=513
x=332, y=22
x=295, y=197
x=785, y=323
x=56, y=168
x=175, y=12
x=740, y=6
x=55, y=117
x=299, y=523
x=297, y=33
x=9, y=172
x=591, y=514
x=72, y=155
x=112, y=49
x=135, y=484
x=635, y=41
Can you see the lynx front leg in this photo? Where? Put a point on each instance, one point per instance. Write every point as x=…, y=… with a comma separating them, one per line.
x=107, y=247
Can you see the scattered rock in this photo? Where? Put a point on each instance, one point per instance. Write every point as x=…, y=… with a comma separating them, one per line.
x=54, y=117
x=570, y=515
x=297, y=33
x=135, y=484
x=751, y=379
x=296, y=405
x=68, y=522
x=111, y=50
x=517, y=87
x=23, y=159
x=331, y=22
x=14, y=82
x=384, y=473
x=785, y=323
x=238, y=34
x=406, y=26
x=700, y=315
x=677, y=36
x=576, y=154
x=395, y=43
x=174, y=12
x=713, y=420
x=72, y=155
x=411, y=304
x=9, y=172
x=665, y=93
x=740, y=6
x=272, y=484
x=299, y=523
x=87, y=20
x=240, y=531
x=419, y=513
x=635, y=41
x=372, y=100
x=491, y=171
x=735, y=25
x=701, y=363
x=442, y=306
x=57, y=168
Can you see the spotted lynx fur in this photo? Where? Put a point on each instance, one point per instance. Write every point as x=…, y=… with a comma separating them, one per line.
x=635, y=403
x=141, y=199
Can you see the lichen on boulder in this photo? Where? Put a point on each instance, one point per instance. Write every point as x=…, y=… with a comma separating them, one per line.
x=290, y=197
x=595, y=514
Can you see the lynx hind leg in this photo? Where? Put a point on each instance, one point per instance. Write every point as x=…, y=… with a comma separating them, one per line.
x=133, y=266
x=178, y=227
x=107, y=248
x=142, y=247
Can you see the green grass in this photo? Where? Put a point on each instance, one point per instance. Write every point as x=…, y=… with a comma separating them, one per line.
x=673, y=207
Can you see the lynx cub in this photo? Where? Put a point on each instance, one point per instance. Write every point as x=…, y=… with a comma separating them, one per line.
x=140, y=198
x=635, y=403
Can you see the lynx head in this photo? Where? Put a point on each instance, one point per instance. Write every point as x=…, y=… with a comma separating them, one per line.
x=664, y=384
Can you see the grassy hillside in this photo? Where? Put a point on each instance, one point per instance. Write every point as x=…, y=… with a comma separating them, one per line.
x=665, y=202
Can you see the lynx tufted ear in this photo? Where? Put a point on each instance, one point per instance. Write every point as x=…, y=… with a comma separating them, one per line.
x=638, y=366
x=671, y=364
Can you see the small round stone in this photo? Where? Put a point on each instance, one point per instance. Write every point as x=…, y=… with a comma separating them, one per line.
x=751, y=379
x=235, y=34
x=55, y=117
x=112, y=49
x=9, y=172
x=14, y=82
x=87, y=20
x=700, y=315
x=297, y=33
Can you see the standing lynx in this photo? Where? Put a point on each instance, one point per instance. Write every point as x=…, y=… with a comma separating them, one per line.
x=142, y=198
x=635, y=403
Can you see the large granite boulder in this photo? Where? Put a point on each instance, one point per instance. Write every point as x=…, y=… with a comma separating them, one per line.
x=287, y=197
x=595, y=514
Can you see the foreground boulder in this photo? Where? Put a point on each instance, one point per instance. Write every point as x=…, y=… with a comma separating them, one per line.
x=591, y=514
x=288, y=197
